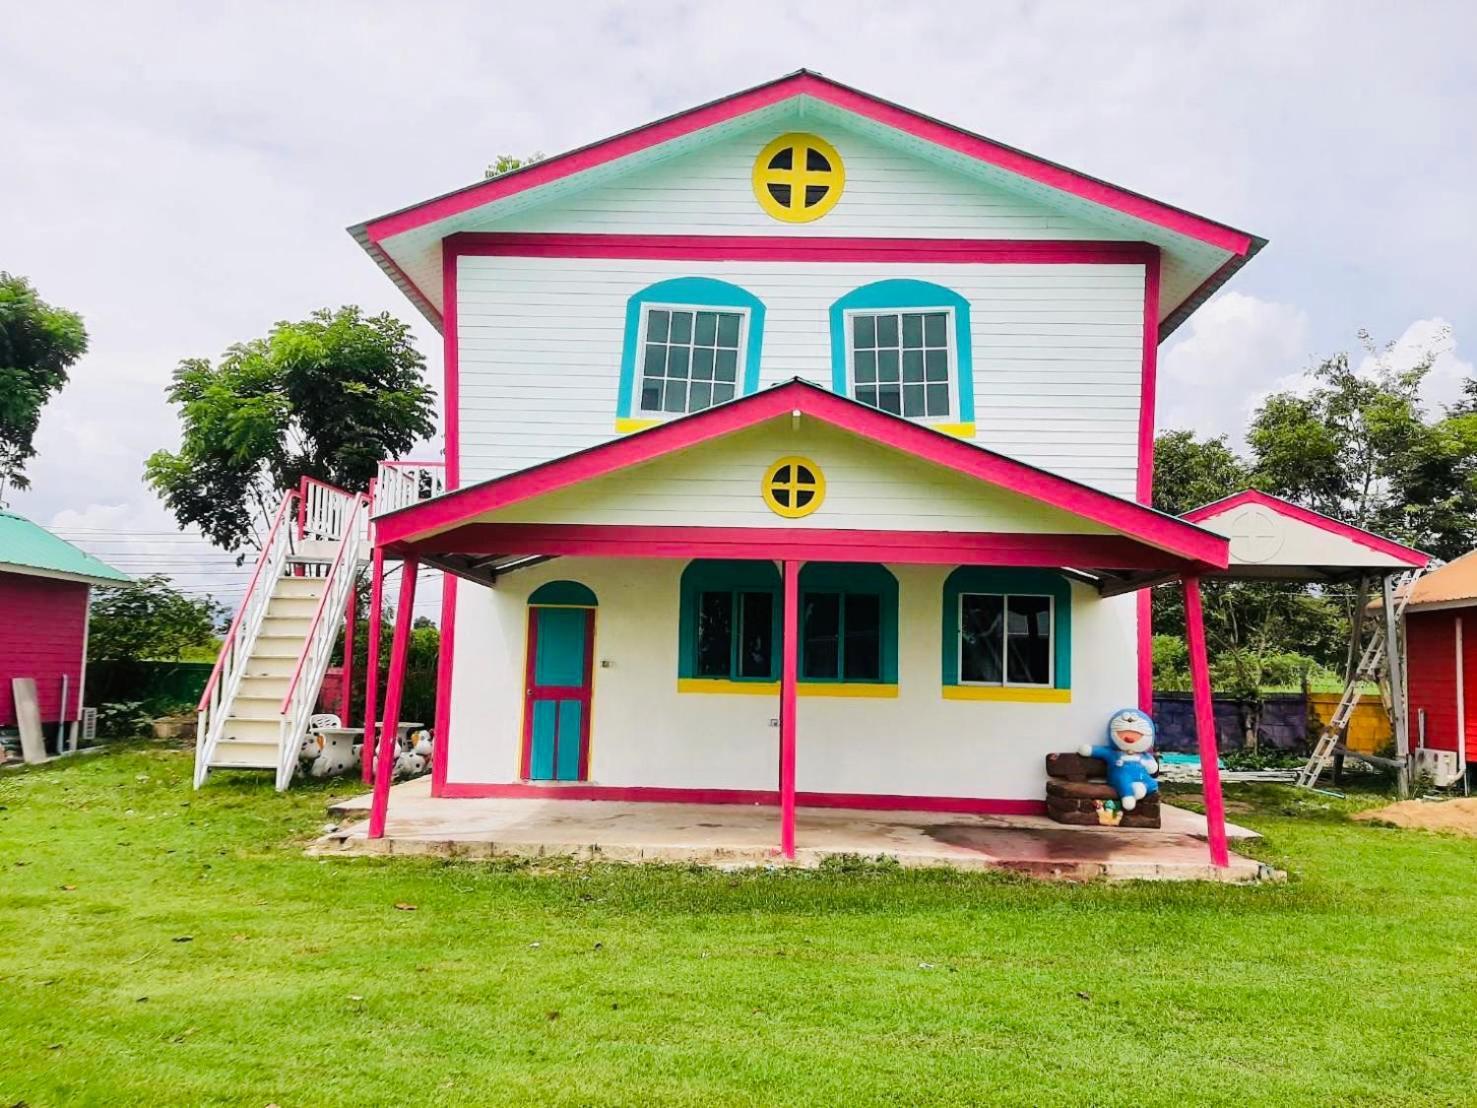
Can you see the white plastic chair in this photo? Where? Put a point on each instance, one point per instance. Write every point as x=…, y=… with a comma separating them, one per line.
x=310, y=746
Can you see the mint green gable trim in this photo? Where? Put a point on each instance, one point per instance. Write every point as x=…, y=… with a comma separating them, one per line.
x=568, y=594
x=1036, y=582
x=725, y=576
x=698, y=292
x=902, y=293
x=845, y=577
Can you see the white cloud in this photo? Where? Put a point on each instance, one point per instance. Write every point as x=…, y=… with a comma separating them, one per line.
x=1234, y=351
x=1443, y=383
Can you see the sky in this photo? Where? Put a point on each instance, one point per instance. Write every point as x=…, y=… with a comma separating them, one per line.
x=182, y=174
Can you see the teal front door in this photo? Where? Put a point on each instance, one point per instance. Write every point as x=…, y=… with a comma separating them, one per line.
x=556, y=711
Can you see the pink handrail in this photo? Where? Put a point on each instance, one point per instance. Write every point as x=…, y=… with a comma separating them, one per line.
x=350, y=536
x=256, y=573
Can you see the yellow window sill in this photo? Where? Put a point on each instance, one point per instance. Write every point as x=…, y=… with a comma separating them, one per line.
x=996, y=692
x=626, y=426
x=713, y=686
x=958, y=430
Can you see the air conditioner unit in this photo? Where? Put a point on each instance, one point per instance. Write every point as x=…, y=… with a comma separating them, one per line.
x=1440, y=767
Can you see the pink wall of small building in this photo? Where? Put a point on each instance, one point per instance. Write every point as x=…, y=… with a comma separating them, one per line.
x=43, y=627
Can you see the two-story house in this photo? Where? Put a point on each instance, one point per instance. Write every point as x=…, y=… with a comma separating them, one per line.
x=795, y=396
x=798, y=450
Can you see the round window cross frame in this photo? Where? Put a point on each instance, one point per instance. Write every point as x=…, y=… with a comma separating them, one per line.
x=793, y=487
x=783, y=185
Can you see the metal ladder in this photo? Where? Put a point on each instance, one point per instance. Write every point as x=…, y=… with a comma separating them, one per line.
x=1373, y=665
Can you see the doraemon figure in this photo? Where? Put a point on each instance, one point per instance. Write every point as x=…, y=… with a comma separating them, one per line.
x=1130, y=758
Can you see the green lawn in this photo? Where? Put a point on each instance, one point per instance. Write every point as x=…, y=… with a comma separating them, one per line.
x=159, y=946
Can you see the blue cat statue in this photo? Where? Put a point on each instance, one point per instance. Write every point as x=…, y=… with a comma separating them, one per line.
x=1130, y=758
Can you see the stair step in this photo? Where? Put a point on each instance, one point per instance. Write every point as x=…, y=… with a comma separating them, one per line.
x=292, y=607
x=286, y=627
x=270, y=666
x=251, y=729
x=271, y=686
x=302, y=587
x=233, y=753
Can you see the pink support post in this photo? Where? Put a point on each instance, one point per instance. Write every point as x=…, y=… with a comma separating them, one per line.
x=1210, y=773
x=399, y=650
x=346, y=692
x=372, y=661
x=789, y=667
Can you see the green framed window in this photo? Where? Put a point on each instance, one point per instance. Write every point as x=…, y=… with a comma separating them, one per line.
x=848, y=623
x=1007, y=630
x=729, y=627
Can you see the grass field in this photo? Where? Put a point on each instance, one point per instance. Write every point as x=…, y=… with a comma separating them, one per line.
x=168, y=947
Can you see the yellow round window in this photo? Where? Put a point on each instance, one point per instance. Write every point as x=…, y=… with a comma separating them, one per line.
x=793, y=487
x=798, y=177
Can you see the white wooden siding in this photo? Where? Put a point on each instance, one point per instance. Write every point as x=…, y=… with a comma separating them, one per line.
x=868, y=487
x=887, y=193
x=1057, y=352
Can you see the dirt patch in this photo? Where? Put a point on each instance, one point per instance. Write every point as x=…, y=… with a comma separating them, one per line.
x=1457, y=816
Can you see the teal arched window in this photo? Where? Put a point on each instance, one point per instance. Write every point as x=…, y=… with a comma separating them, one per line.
x=563, y=594
x=729, y=627
x=848, y=623
x=903, y=346
x=1007, y=633
x=690, y=343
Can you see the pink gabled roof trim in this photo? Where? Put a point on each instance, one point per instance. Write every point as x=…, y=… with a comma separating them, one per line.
x=1378, y=543
x=1156, y=529
x=805, y=83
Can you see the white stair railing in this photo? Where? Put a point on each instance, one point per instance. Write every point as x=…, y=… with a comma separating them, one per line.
x=401, y=484
x=230, y=665
x=301, y=698
x=323, y=510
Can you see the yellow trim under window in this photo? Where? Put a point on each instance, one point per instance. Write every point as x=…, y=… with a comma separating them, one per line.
x=624, y=426
x=958, y=430
x=1017, y=693
x=718, y=686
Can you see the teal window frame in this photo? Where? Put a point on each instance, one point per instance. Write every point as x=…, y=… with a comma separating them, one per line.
x=563, y=594
x=899, y=295
x=980, y=580
x=853, y=579
x=695, y=293
x=735, y=577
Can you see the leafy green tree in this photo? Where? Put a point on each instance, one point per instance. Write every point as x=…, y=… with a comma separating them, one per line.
x=506, y=163
x=327, y=398
x=1189, y=472
x=1345, y=446
x=38, y=344
x=150, y=619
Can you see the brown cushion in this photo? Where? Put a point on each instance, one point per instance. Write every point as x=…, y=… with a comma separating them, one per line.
x=1074, y=767
x=1080, y=790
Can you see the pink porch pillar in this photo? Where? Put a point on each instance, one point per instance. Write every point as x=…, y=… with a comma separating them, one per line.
x=789, y=669
x=1210, y=773
x=346, y=694
x=372, y=662
x=444, y=661
x=399, y=650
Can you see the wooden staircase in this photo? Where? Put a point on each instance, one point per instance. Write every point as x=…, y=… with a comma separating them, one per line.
x=254, y=712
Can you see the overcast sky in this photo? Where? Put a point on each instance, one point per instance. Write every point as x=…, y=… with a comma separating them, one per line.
x=182, y=175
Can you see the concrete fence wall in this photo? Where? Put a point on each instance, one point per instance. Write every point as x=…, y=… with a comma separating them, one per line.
x=1289, y=721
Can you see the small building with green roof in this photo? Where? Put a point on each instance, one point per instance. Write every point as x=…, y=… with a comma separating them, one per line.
x=45, y=592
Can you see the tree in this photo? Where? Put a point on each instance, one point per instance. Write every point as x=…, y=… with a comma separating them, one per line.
x=1345, y=446
x=328, y=397
x=506, y=163
x=38, y=344
x=1189, y=472
x=149, y=619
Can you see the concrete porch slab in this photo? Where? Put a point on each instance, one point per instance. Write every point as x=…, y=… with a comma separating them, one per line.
x=743, y=835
